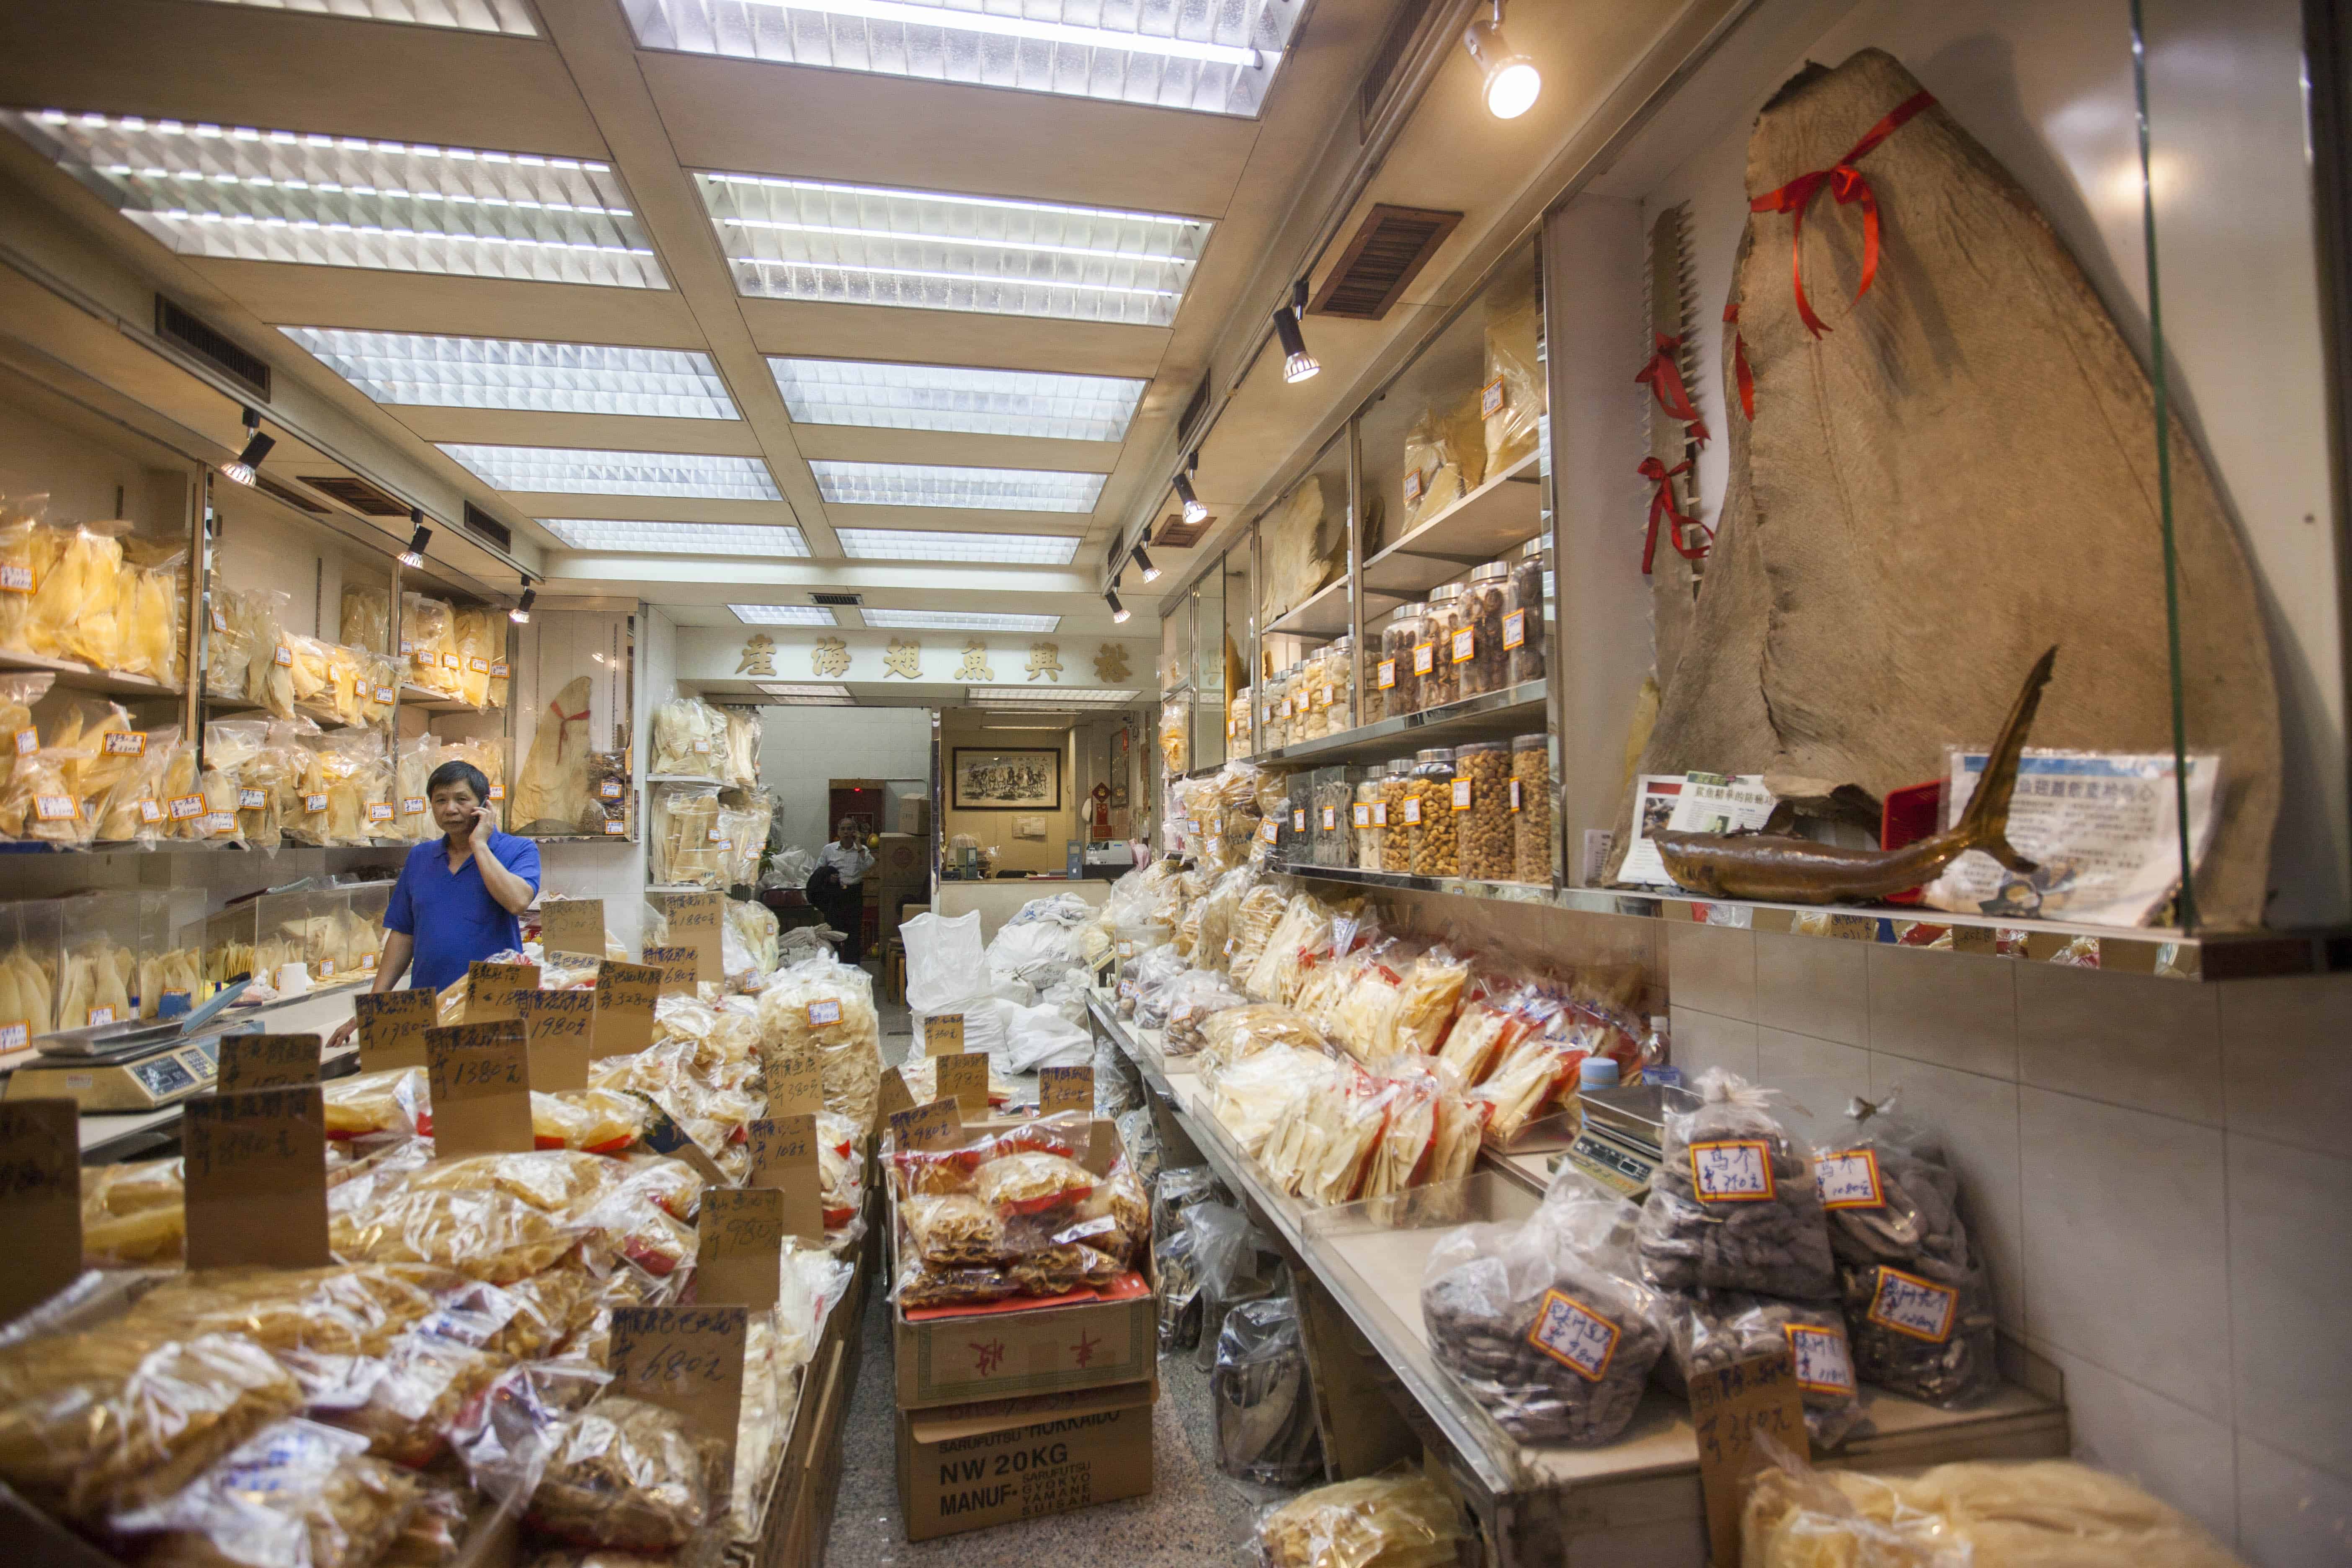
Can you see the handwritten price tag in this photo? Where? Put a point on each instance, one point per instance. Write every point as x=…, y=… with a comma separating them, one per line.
x=255, y=1168
x=392, y=1027
x=266, y=1061
x=740, y=1253
x=40, y=1199
x=625, y=995
x=1065, y=1088
x=686, y=1359
x=480, y=1075
x=679, y=966
x=963, y=1077
x=558, y=1027
x=491, y=990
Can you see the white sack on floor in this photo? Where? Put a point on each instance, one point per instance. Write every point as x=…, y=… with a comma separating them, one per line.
x=1042, y=1038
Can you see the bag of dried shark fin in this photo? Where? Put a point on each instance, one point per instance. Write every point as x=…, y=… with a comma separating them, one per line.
x=1918, y=1305
x=1733, y=1206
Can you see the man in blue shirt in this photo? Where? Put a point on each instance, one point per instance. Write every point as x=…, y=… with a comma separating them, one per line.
x=459, y=897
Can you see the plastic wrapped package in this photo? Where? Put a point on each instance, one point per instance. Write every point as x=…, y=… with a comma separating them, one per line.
x=354, y=776
x=297, y=1493
x=269, y=665
x=132, y=1214
x=1193, y=999
x=1437, y=679
x=921, y=1079
x=428, y=639
x=153, y=600
x=743, y=728
x=683, y=842
x=1918, y=1304
x=743, y=829
x=1426, y=1002
x=1260, y=910
x=1547, y=1323
x=1321, y=1142
x=1512, y=390
x=480, y=635
x=551, y=792
x=1263, y=1398
x=1256, y=1098
x=628, y=1476
x=1394, y=690
x=365, y=620
x=39, y=804
x=1238, y=1034
x=76, y=609
x=19, y=693
x=1363, y=1020
x=1716, y=1329
x=1401, y=1519
x=490, y=1234
x=689, y=737
x=818, y=1008
x=424, y=1380
x=436, y=1532
x=755, y=928
x=1299, y=547
x=1733, y=1205
x=30, y=551
x=1444, y=459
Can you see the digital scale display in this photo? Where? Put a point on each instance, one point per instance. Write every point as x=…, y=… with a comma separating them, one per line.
x=1620, y=1169
x=162, y=1076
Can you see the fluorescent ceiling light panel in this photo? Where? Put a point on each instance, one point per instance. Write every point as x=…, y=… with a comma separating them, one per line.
x=928, y=484
x=676, y=538
x=955, y=397
x=1212, y=59
x=921, y=544
x=959, y=621
x=872, y=245
x=1021, y=695
x=509, y=16
x=784, y=614
x=809, y=688
x=569, y=471
x=509, y=372
x=342, y=201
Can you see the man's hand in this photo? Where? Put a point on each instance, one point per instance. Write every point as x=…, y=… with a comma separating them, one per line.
x=336, y=1041
x=485, y=824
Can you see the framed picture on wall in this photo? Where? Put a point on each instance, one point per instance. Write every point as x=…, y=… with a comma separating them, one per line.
x=1006, y=780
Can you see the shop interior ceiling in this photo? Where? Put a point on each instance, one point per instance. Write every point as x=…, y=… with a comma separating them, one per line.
x=575, y=80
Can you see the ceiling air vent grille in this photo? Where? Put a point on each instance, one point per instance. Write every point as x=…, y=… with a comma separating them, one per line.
x=357, y=494
x=482, y=525
x=1385, y=255
x=290, y=496
x=1189, y=423
x=1382, y=78
x=838, y=601
x=1175, y=533
x=193, y=335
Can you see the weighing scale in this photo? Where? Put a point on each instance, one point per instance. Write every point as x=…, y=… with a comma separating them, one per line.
x=144, y=1064
x=1621, y=1141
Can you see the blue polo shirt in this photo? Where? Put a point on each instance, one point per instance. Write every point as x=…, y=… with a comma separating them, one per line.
x=454, y=919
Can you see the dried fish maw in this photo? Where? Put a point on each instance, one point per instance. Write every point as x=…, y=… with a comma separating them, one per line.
x=1961, y=470
x=73, y=611
x=29, y=549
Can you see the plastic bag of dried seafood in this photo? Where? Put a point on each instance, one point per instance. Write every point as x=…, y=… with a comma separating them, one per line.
x=1733, y=1205
x=1715, y=1329
x=1398, y=1519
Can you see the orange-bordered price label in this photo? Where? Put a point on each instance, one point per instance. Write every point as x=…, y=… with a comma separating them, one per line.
x=1574, y=1335
x=1465, y=645
x=1490, y=398
x=1425, y=657
x=1461, y=795
x=1384, y=675
x=1849, y=1180
x=1515, y=628
x=1910, y=1305
x=1733, y=1171
x=1823, y=1364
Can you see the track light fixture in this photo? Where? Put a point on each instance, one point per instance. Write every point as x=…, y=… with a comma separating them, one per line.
x=1297, y=364
x=414, y=554
x=1512, y=83
x=1144, y=563
x=520, y=614
x=1194, y=510
x=1119, y=612
x=257, y=446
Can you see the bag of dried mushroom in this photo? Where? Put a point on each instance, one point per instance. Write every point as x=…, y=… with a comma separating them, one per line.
x=1733, y=1206
x=1918, y=1304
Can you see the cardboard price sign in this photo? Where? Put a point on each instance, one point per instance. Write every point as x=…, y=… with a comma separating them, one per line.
x=694, y=923
x=784, y=1158
x=1065, y=1088
x=893, y=1097
x=481, y=1089
x=678, y=966
x=557, y=1026
x=686, y=1359
x=40, y=1199
x=572, y=925
x=255, y=1166
x=943, y=1035
x=625, y=993
x=963, y=1077
x=266, y=1061
x=392, y=1027
x=492, y=989
x=796, y=1088
x=928, y=1126
x=1729, y=1407
x=740, y=1252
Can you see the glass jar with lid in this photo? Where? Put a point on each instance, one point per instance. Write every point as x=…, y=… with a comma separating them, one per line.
x=1481, y=810
x=1394, y=688
x=1531, y=808
x=1438, y=679
x=1276, y=731
x=1429, y=811
x=1335, y=688
x=1477, y=653
x=1335, y=795
x=1238, y=741
x=1369, y=815
x=1523, y=611
x=1310, y=717
x=1399, y=812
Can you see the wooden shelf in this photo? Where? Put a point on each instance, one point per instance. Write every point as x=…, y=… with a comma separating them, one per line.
x=85, y=678
x=1506, y=509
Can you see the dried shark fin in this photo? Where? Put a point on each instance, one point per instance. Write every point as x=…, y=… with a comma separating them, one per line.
x=1985, y=822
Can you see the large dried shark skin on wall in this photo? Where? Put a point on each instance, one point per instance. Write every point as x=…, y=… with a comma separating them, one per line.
x=1959, y=473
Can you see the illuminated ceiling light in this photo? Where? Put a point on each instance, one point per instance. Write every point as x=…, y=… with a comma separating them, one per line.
x=520, y=614
x=1297, y=364
x=1221, y=63
x=1194, y=512
x=925, y=544
x=509, y=16
x=817, y=695
x=414, y=554
x=568, y=470
x=870, y=245
x=1144, y=563
x=1119, y=612
x=415, y=368
x=784, y=616
x=1512, y=82
x=955, y=397
x=930, y=484
x=244, y=194
x=249, y=459
x=750, y=539
x=1030, y=696
x=958, y=621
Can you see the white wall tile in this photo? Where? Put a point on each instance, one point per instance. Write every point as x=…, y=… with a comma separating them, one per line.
x=2289, y=1514
x=2182, y=1456
x=1813, y=986
x=2126, y=1253
x=2130, y=1040
x=1703, y=1040
x=1712, y=968
x=2290, y=1283
x=1977, y=1119
x=1957, y=1010
x=1815, y=1078
x=2282, y=1057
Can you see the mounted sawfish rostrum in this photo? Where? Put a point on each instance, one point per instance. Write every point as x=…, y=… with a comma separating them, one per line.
x=1799, y=871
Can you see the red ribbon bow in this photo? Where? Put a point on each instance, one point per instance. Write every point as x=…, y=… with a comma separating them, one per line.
x=1664, y=379
x=1845, y=184
x=1663, y=500
x=1739, y=370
